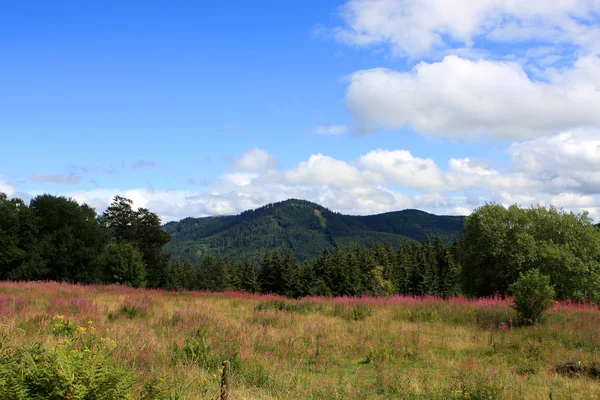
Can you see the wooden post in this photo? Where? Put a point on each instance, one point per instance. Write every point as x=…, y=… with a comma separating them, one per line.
x=225, y=381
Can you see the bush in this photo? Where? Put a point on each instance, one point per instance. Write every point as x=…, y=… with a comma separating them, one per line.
x=64, y=372
x=533, y=295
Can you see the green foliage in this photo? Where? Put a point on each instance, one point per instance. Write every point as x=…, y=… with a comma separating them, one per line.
x=142, y=229
x=69, y=239
x=302, y=226
x=208, y=351
x=180, y=276
x=66, y=371
x=63, y=327
x=378, y=286
x=124, y=264
x=498, y=244
x=533, y=295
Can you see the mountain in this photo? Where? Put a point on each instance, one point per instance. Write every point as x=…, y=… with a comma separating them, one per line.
x=304, y=227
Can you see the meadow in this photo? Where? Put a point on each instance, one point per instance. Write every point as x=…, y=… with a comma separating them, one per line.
x=64, y=341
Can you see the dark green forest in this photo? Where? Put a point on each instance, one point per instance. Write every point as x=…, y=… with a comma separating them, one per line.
x=301, y=226
x=297, y=248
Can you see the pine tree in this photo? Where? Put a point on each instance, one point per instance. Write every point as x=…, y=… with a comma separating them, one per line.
x=249, y=281
x=234, y=276
x=324, y=272
x=265, y=273
x=415, y=274
x=429, y=268
x=353, y=272
x=289, y=276
x=221, y=274
x=204, y=274
x=403, y=266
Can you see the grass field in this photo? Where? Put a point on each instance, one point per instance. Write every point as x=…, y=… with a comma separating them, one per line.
x=77, y=341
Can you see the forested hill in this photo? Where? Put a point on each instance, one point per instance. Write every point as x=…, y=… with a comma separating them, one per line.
x=306, y=228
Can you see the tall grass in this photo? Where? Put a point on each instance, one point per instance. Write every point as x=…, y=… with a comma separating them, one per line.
x=153, y=344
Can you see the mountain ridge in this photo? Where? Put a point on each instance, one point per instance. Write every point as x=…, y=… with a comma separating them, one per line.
x=302, y=226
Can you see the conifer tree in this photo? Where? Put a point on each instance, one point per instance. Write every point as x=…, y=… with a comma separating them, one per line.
x=403, y=266
x=221, y=274
x=429, y=268
x=415, y=274
x=265, y=273
x=289, y=276
x=249, y=281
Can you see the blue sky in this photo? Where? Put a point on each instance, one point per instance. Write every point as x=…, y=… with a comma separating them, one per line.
x=363, y=106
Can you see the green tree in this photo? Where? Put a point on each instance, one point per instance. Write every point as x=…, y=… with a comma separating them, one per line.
x=533, y=295
x=123, y=264
x=143, y=229
x=324, y=273
x=19, y=252
x=404, y=264
x=180, y=275
x=289, y=276
x=379, y=286
x=429, y=268
x=221, y=275
x=71, y=241
x=498, y=244
x=249, y=277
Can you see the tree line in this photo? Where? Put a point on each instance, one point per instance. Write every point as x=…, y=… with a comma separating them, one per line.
x=427, y=268
x=55, y=238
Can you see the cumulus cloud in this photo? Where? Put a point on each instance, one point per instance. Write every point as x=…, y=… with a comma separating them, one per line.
x=555, y=170
x=256, y=160
x=324, y=170
x=400, y=167
x=416, y=27
x=461, y=98
x=567, y=161
x=331, y=130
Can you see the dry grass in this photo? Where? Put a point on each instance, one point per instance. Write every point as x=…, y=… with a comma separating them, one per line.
x=316, y=348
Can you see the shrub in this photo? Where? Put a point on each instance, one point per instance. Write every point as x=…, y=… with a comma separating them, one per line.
x=533, y=295
x=209, y=354
x=63, y=372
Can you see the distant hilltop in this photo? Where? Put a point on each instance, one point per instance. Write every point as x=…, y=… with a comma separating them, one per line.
x=302, y=226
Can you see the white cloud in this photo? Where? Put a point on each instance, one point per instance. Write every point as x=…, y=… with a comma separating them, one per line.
x=6, y=188
x=324, y=170
x=415, y=27
x=462, y=98
x=256, y=160
x=561, y=170
x=400, y=167
x=240, y=178
x=331, y=130
x=471, y=166
x=567, y=161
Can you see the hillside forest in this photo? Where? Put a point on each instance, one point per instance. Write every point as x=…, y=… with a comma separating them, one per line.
x=56, y=238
